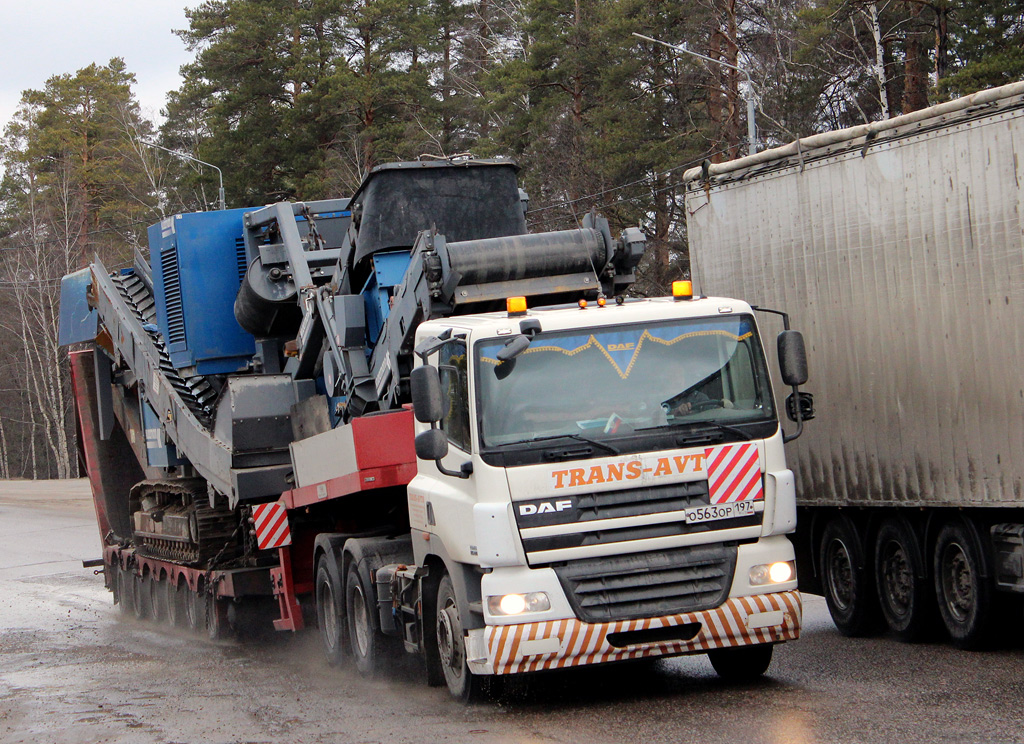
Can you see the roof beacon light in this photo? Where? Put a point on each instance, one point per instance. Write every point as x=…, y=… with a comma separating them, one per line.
x=516, y=306
x=682, y=290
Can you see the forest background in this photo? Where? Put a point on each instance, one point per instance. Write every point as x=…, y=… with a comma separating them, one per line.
x=299, y=99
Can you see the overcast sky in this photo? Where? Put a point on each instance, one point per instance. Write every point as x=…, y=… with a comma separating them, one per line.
x=42, y=38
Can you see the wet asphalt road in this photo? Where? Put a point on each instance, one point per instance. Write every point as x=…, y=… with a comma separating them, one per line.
x=72, y=670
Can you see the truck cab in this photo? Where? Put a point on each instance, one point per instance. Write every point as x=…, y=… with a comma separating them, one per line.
x=605, y=481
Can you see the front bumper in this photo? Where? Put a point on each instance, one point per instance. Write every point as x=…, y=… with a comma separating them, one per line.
x=555, y=644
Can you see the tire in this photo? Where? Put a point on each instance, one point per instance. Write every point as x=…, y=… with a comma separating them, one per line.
x=157, y=600
x=846, y=581
x=329, y=617
x=142, y=600
x=744, y=664
x=901, y=580
x=451, y=647
x=176, y=598
x=963, y=594
x=366, y=642
x=195, y=610
x=125, y=591
x=217, y=626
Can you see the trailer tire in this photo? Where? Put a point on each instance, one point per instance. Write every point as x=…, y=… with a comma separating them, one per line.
x=451, y=647
x=743, y=664
x=176, y=600
x=846, y=580
x=365, y=639
x=962, y=592
x=329, y=616
x=901, y=580
x=217, y=626
x=157, y=599
x=124, y=596
x=142, y=588
x=195, y=610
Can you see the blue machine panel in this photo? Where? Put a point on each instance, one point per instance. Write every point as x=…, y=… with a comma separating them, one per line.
x=388, y=272
x=198, y=262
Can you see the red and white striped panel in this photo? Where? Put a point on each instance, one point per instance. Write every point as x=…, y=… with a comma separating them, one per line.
x=585, y=643
x=271, y=522
x=734, y=473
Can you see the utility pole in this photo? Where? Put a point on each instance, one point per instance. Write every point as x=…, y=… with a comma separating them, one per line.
x=751, y=123
x=221, y=203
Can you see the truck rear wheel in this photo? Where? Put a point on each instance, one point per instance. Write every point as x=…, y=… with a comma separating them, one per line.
x=451, y=647
x=365, y=638
x=328, y=615
x=846, y=580
x=195, y=609
x=743, y=664
x=157, y=599
x=217, y=626
x=961, y=590
x=176, y=598
x=900, y=576
x=124, y=593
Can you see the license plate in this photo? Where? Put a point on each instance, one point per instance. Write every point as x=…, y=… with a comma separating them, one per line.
x=719, y=511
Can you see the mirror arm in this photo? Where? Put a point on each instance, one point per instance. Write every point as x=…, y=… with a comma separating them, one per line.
x=787, y=438
x=785, y=316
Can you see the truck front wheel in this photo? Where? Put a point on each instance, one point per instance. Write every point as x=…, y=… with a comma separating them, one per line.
x=450, y=642
x=962, y=592
x=744, y=664
x=846, y=580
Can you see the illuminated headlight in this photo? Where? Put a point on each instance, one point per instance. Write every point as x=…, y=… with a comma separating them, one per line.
x=517, y=604
x=773, y=573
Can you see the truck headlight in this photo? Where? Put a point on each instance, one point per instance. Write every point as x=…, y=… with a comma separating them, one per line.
x=772, y=573
x=517, y=604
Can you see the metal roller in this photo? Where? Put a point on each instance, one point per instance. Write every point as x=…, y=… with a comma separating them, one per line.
x=266, y=302
x=530, y=256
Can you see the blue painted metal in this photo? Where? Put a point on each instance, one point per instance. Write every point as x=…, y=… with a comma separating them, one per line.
x=388, y=272
x=78, y=322
x=198, y=262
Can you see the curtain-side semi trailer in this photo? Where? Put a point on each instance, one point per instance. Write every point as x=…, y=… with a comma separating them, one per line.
x=433, y=431
x=898, y=247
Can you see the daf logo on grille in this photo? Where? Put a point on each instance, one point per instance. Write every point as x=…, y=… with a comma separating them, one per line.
x=544, y=507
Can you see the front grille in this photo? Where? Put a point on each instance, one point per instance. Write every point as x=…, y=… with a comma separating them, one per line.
x=652, y=584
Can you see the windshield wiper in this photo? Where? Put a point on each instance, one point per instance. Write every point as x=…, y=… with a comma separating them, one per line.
x=577, y=437
x=695, y=429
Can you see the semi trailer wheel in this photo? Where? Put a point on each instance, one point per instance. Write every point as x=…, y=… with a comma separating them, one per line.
x=846, y=581
x=328, y=615
x=157, y=599
x=900, y=577
x=961, y=590
x=141, y=599
x=743, y=664
x=217, y=626
x=451, y=647
x=365, y=639
x=195, y=608
x=124, y=595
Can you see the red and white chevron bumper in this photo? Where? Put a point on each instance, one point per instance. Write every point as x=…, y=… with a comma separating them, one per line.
x=741, y=621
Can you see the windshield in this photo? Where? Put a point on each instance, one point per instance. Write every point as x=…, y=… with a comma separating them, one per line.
x=607, y=382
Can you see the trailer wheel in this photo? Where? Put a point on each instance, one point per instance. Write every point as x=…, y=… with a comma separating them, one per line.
x=900, y=577
x=365, y=638
x=451, y=647
x=124, y=595
x=174, y=600
x=141, y=599
x=217, y=626
x=744, y=664
x=157, y=599
x=195, y=609
x=846, y=581
x=328, y=615
x=960, y=588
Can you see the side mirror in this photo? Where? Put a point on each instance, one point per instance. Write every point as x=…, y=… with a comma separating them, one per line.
x=513, y=348
x=431, y=444
x=792, y=358
x=427, y=400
